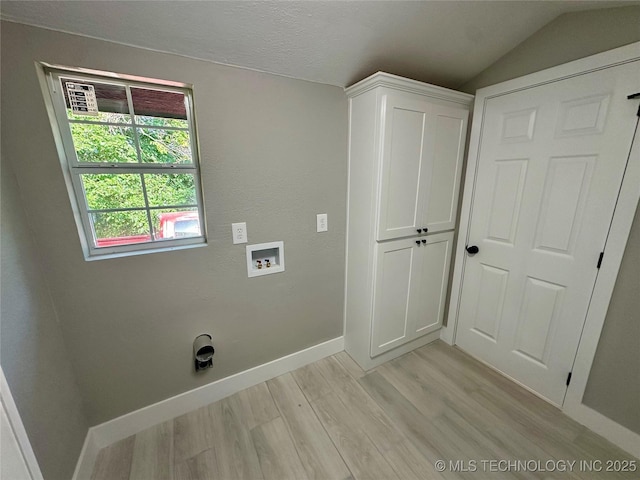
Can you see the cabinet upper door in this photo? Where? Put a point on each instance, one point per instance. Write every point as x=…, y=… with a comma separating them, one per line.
x=403, y=175
x=445, y=139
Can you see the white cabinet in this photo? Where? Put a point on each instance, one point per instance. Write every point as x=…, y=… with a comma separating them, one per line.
x=406, y=150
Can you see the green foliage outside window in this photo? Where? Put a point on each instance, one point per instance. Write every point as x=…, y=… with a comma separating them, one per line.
x=116, y=144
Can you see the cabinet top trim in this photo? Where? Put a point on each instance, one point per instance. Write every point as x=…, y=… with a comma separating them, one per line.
x=382, y=79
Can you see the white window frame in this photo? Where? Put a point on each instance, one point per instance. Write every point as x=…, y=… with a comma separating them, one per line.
x=72, y=169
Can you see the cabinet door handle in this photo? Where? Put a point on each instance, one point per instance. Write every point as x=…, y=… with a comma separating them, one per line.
x=418, y=242
x=425, y=230
x=424, y=242
x=418, y=230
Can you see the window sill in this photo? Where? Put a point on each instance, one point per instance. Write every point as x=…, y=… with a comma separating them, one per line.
x=131, y=253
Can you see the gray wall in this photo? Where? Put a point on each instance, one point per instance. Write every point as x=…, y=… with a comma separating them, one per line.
x=568, y=37
x=273, y=154
x=34, y=357
x=614, y=383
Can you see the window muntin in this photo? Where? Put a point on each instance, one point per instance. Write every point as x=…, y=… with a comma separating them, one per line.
x=133, y=166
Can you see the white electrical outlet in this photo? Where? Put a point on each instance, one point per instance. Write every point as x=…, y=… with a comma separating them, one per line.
x=239, y=231
x=322, y=224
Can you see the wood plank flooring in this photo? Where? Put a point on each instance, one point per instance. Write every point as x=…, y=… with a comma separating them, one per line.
x=331, y=420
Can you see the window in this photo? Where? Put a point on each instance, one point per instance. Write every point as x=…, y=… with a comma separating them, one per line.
x=130, y=159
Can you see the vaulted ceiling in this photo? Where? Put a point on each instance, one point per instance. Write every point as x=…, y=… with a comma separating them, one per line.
x=333, y=42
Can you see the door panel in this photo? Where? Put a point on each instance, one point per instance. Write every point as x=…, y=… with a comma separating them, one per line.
x=434, y=260
x=583, y=116
x=489, y=301
x=542, y=302
x=505, y=205
x=563, y=200
x=445, y=151
x=518, y=126
x=394, y=289
x=550, y=164
x=402, y=192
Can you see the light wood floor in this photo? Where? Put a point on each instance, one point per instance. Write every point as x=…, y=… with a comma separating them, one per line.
x=331, y=420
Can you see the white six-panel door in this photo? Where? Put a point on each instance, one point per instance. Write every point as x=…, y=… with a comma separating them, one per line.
x=550, y=164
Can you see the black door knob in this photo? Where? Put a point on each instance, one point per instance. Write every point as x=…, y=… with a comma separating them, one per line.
x=472, y=250
x=418, y=230
x=424, y=242
x=425, y=230
x=418, y=242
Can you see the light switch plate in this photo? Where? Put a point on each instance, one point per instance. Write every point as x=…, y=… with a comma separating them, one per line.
x=239, y=231
x=322, y=224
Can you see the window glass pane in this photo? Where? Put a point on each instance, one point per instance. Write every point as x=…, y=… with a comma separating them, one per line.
x=165, y=146
x=175, y=223
x=108, y=191
x=103, y=143
x=120, y=228
x=170, y=189
x=161, y=122
x=111, y=99
x=159, y=108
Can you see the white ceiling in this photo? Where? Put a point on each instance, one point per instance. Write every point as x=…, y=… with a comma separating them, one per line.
x=333, y=42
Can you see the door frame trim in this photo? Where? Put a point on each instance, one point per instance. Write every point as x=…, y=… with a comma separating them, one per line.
x=19, y=431
x=628, y=199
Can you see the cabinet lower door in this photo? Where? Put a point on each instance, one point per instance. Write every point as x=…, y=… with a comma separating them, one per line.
x=410, y=289
x=433, y=278
x=397, y=272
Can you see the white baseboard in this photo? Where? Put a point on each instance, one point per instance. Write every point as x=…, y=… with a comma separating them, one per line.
x=446, y=335
x=87, y=459
x=122, y=427
x=614, y=432
x=367, y=363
